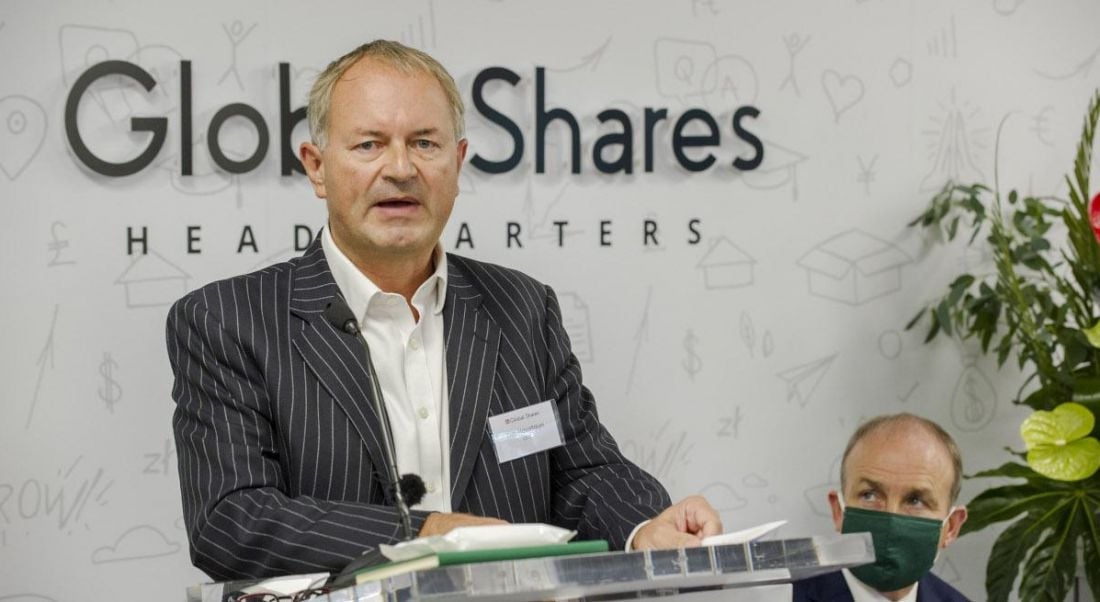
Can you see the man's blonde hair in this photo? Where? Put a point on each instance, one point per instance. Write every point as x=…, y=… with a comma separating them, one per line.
x=393, y=54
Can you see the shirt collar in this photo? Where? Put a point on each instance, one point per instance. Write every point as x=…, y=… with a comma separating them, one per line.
x=861, y=592
x=358, y=290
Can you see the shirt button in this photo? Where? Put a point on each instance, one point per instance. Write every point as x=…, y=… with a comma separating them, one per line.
x=424, y=413
x=431, y=487
x=414, y=343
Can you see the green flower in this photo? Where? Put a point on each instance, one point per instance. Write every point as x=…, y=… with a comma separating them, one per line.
x=1058, y=445
x=1093, y=334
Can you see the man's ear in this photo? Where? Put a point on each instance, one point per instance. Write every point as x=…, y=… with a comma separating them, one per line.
x=313, y=162
x=838, y=513
x=954, y=523
x=463, y=145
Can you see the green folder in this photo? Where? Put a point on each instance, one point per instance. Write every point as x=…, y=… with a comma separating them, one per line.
x=431, y=561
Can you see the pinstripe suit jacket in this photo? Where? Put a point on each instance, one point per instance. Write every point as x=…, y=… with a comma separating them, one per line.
x=280, y=455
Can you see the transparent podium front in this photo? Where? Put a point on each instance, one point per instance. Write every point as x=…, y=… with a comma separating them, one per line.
x=612, y=575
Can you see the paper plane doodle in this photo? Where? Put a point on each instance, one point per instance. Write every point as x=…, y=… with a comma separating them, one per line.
x=152, y=281
x=854, y=267
x=725, y=265
x=803, y=380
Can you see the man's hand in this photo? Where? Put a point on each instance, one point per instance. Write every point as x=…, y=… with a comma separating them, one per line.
x=441, y=523
x=682, y=525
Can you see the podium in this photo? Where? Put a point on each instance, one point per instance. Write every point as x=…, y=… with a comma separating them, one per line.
x=607, y=576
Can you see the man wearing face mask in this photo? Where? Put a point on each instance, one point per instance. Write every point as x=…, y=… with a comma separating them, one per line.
x=900, y=479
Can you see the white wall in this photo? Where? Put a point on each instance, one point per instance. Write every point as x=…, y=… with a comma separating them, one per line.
x=724, y=367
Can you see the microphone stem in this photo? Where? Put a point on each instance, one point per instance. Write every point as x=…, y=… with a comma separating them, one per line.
x=387, y=440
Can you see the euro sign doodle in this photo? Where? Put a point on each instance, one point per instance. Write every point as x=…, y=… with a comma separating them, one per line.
x=692, y=363
x=111, y=391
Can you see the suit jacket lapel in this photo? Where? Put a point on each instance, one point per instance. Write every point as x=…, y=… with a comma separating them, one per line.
x=471, y=340
x=335, y=357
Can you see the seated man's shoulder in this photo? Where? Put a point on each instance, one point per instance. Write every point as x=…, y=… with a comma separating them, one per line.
x=934, y=589
x=833, y=587
x=829, y=586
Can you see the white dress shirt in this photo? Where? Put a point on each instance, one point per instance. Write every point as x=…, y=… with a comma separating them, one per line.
x=861, y=592
x=408, y=357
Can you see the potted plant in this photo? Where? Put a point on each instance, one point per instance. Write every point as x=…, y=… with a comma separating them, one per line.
x=1041, y=305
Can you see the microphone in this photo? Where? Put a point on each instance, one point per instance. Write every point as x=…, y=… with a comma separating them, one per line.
x=411, y=485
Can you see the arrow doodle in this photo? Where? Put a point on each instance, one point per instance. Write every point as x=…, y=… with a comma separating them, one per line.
x=590, y=60
x=640, y=337
x=47, y=353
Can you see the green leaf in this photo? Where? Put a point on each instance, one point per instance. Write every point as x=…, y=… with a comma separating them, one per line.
x=1048, y=571
x=1010, y=470
x=916, y=318
x=943, y=317
x=1043, y=398
x=1005, y=503
x=1090, y=537
x=1086, y=390
x=1005, y=557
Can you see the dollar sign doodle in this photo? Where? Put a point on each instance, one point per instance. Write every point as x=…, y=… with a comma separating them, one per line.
x=692, y=363
x=975, y=409
x=111, y=391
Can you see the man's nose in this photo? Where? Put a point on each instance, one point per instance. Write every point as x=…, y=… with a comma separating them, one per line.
x=399, y=166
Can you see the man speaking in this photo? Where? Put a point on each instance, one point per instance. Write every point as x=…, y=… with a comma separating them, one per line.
x=304, y=388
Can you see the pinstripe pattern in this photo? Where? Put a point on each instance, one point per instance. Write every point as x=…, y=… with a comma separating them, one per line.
x=279, y=449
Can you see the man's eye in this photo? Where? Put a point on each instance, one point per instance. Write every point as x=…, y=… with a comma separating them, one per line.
x=915, y=500
x=867, y=495
x=425, y=144
x=368, y=145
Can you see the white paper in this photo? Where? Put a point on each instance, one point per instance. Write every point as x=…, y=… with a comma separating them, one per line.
x=485, y=537
x=744, y=535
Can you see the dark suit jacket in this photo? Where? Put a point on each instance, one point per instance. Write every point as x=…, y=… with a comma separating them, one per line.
x=280, y=455
x=831, y=587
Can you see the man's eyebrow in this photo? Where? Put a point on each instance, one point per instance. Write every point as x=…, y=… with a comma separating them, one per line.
x=430, y=131
x=871, y=482
x=925, y=494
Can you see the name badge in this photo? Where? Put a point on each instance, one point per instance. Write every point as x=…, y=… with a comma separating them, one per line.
x=526, y=431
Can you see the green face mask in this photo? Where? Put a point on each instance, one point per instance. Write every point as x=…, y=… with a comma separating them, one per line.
x=905, y=546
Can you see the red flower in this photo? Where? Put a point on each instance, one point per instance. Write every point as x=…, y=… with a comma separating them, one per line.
x=1094, y=216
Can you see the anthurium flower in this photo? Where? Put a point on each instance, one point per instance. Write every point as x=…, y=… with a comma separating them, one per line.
x=1094, y=216
x=1093, y=334
x=1058, y=445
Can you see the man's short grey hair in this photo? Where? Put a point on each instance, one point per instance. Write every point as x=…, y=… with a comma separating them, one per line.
x=906, y=420
x=393, y=54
